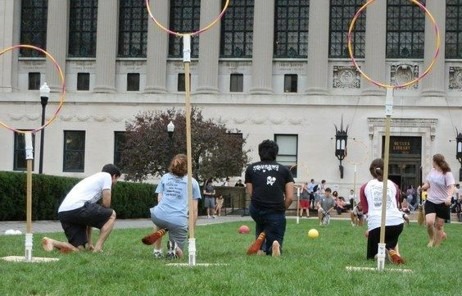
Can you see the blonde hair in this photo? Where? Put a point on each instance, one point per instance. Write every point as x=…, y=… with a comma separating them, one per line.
x=179, y=165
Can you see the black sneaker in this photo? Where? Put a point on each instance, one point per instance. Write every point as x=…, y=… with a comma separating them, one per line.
x=171, y=250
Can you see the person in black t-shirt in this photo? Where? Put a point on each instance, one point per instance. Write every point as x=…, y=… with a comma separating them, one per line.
x=271, y=188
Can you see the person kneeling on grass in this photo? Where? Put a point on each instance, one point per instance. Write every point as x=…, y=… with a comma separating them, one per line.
x=357, y=216
x=270, y=186
x=79, y=213
x=171, y=211
x=371, y=200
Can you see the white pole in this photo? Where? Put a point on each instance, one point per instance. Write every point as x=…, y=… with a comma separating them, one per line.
x=298, y=203
x=29, y=158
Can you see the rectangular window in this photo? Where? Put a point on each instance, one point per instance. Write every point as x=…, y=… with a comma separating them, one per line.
x=33, y=26
x=74, y=151
x=184, y=17
x=341, y=14
x=182, y=83
x=133, y=29
x=19, y=160
x=83, y=81
x=291, y=18
x=83, y=16
x=119, y=142
x=236, y=83
x=133, y=82
x=34, y=80
x=288, y=150
x=290, y=83
x=236, y=39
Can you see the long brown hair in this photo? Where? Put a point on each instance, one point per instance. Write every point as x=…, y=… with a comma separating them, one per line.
x=179, y=165
x=376, y=169
x=441, y=163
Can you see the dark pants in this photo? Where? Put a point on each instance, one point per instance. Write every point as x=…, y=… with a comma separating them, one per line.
x=75, y=222
x=272, y=223
x=391, y=239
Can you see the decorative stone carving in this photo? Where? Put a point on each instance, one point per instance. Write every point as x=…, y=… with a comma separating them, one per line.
x=346, y=77
x=455, y=77
x=401, y=73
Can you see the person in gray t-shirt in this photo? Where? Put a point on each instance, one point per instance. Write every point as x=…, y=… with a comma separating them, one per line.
x=325, y=204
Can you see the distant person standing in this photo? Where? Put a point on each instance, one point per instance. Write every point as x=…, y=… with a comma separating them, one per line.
x=440, y=188
x=271, y=188
x=209, y=198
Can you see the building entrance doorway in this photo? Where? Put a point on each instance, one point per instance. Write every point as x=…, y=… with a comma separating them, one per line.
x=404, y=167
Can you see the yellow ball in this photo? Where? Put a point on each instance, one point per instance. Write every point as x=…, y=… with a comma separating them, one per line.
x=313, y=233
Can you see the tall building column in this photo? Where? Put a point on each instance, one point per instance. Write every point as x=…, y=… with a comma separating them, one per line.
x=10, y=14
x=318, y=48
x=262, y=53
x=375, y=52
x=157, y=51
x=433, y=85
x=106, y=46
x=57, y=32
x=209, y=48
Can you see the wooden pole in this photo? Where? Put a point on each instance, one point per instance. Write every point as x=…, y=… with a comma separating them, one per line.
x=386, y=157
x=192, y=211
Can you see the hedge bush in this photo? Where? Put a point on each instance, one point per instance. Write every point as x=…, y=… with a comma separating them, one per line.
x=129, y=200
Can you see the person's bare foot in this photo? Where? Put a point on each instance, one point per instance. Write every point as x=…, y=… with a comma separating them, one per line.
x=431, y=244
x=276, y=249
x=47, y=244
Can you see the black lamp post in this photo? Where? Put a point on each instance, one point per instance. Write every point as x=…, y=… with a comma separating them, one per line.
x=44, y=95
x=170, y=130
x=459, y=152
x=341, y=137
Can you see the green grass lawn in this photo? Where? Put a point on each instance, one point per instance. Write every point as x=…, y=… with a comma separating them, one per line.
x=307, y=266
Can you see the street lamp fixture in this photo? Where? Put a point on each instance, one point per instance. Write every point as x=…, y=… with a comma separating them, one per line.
x=341, y=137
x=459, y=152
x=170, y=129
x=44, y=95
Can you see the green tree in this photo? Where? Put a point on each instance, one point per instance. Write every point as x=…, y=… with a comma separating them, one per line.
x=217, y=151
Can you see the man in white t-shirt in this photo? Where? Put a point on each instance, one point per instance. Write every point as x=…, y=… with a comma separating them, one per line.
x=79, y=212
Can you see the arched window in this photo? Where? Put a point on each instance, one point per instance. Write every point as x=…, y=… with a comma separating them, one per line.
x=453, y=29
x=184, y=18
x=82, y=28
x=405, y=30
x=237, y=30
x=133, y=28
x=341, y=14
x=33, y=26
x=291, y=18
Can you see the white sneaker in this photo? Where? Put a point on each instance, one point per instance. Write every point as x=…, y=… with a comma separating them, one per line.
x=157, y=254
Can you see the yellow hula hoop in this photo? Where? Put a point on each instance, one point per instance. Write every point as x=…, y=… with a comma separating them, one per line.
x=62, y=93
x=190, y=33
x=427, y=70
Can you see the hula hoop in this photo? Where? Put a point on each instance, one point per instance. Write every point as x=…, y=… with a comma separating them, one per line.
x=190, y=33
x=62, y=93
x=365, y=155
x=380, y=84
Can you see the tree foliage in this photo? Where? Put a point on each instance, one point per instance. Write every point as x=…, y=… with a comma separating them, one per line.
x=217, y=152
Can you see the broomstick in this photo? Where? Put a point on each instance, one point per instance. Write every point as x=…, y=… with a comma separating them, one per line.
x=151, y=238
x=256, y=245
x=421, y=216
